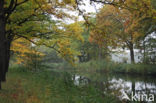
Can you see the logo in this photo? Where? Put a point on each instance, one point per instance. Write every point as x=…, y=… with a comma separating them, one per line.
x=138, y=97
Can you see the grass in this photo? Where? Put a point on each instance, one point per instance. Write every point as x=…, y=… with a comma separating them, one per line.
x=46, y=86
x=23, y=86
x=112, y=67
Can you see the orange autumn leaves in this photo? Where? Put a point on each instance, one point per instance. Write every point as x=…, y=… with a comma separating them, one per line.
x=23, y=50
x=120, y=24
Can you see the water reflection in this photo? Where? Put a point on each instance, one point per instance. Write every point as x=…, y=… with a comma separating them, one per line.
x=80, y=80
x=119, y=84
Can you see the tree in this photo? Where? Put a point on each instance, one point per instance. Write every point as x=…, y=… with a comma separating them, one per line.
x=29, y=19
x=25, y=53
x=87, y=49
x=122, y=27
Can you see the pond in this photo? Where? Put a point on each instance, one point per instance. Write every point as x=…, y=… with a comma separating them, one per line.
x=125, y=87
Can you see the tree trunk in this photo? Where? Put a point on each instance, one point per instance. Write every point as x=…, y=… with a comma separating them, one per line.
x=88, y=57
x=144, y=51
x=0, y=85
x=133, y=87
x=100, y=53
x=2, y=50
x=3, y=43
x=8, y=45
x=132, y=53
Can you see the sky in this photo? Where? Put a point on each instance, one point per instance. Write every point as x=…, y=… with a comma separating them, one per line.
x=87, y=8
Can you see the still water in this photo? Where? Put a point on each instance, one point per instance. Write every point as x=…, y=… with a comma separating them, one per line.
x=137, y=88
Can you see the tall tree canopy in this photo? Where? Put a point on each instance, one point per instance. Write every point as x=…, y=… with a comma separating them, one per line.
x=124, y=25
x=32, y=20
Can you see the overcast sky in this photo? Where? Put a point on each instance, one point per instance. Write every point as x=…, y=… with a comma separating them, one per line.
x=88, y=8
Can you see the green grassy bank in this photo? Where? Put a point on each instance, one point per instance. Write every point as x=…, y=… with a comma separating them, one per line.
x=112, y=67
x=23, y=86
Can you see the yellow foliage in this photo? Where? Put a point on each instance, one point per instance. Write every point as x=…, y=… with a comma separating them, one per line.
x=23, y=48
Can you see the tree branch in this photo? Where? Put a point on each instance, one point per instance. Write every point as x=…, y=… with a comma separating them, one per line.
x=12, y=7
x=21, y=2
x=53, y=47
